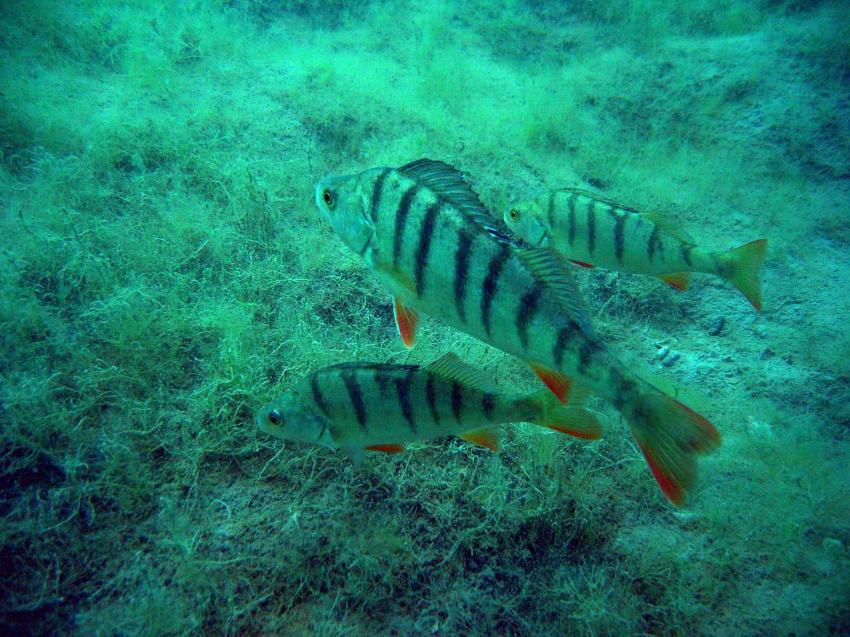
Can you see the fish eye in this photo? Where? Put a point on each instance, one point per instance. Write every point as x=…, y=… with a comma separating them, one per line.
x=274, y=417
x=328, y=198
x=514, y=214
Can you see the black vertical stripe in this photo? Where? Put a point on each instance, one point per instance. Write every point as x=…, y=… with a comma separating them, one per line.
x=550, y=212
x=318, y=398
x=619, y=231
x=572, y=219
x=526, y=310
x=431, y=398
x=653, y=244
x=355, y=395
x=464, y=248
x=425, y=234
x=402, y=388
x=401, y=220
x=685, y=249
x=488, y=404
x=585, y=354
x=457, y=400
x=591, y=226
x=377, y=191
x=565, y=335
x=490, y=284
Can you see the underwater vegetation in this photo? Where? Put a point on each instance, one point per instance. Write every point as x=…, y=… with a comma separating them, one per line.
x=166, y=273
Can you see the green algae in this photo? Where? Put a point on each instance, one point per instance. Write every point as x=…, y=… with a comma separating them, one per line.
x=165, y=272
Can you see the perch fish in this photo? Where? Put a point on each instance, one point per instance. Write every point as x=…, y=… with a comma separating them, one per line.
x=591, y=230
x=426, y=235
x=360, y=407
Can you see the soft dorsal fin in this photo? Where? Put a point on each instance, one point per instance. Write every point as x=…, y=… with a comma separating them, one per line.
x=550, y=268
x=668, y=224
x=448, y=183
x=450, y=367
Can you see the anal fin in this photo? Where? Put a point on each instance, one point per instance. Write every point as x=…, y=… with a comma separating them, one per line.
x=484, y=437
x=557, y=383
x=583, y=264
x=386, y=448
x=677, y=280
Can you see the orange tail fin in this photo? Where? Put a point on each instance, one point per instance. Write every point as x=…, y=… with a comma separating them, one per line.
x=670, y=435
x=745, y=270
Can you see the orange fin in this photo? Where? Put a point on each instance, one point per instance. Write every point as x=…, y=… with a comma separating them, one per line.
x=407, y=320
x=572, y=419
x=581, y=263
x=677, y=280
x=555, y=381
x=745, y=270
x=485, y=437
x=386, y=448
x=669, y=437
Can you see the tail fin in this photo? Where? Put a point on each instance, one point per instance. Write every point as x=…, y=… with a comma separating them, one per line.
x=745, y=269
x=572, y=419
x=669, y=434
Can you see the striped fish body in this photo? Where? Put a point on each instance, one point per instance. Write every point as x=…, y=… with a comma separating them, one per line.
x=367, y=406
x=593, y=231
x=427, y=236
x=428, y=247
x=590, y=229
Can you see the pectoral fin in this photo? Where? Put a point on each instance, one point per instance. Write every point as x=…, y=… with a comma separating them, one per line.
x=406, y=320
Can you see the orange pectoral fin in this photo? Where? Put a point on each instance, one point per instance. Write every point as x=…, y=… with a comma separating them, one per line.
x=581, y=263
x=484, y=437
x=386, y=448
x=555, y=381
x=406, y=320
x=677, y=280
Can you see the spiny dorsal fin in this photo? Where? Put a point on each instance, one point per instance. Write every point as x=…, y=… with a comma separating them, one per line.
x=550, y=268
x=596, y=197
x=451, y=367
x=448, y=183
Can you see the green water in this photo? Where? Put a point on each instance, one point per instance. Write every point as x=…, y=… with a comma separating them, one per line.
x=166, y=272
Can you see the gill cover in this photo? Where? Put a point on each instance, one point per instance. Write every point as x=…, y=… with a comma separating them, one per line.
x=341, y=201
x=523, y=219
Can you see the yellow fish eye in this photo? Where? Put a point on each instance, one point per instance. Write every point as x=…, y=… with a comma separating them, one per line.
x=514, y=214
x=274, y=417
x=328, y=198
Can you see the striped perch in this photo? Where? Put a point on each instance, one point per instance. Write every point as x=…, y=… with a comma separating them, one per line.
x=366, y=406
x=428, y=238
x=590, y=231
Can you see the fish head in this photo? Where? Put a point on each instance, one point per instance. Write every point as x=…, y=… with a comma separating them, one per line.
x=292, y=418
x=344, y=202
x=525, y=221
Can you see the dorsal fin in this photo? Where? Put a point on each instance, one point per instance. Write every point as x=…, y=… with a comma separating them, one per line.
x=550, y=268
x=450, y=367
x=667, y=223
x=448, y=183
x=596, y=197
